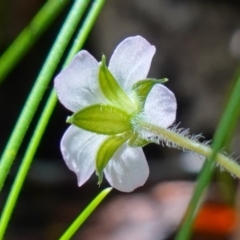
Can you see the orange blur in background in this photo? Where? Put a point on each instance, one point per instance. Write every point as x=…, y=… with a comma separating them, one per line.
x=215, y=219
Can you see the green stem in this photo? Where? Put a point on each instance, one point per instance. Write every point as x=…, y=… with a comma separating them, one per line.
x=84, y=215
x=85, y=29
x=27, y=160
x=194, y=205
x=39, y=88
x=43, y=121
x=29, y=36
x=229, y=116
x=194, y=146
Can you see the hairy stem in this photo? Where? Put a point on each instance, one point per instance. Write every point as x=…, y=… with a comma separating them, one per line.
x=191, y=145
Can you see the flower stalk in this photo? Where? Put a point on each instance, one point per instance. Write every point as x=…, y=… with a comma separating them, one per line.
x=184, y=142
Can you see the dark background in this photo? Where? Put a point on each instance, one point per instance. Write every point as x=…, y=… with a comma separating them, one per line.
x=198, y=49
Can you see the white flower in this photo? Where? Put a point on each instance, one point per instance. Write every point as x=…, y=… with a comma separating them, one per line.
x=105, y=102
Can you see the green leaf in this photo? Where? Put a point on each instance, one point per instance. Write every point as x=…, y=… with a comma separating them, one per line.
x=111, y=89
x=103, y=119
x=143, y=87
x=106, y=151
x=137, y=141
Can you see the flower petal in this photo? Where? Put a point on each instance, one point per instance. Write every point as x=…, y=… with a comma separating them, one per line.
x=128, y=169
x=77, y=85
x=131, y=61
x=79, y=149
x=160, y=106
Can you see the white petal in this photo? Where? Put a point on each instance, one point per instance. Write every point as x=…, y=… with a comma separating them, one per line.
x=79, y=148
x=160, y=106
x=128, y=169
x=131, y=61
x=77, y=84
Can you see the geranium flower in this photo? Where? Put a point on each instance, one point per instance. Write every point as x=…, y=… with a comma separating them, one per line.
x=107, y=102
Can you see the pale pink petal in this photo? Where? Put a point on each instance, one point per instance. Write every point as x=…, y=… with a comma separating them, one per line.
x=128, y=169
x=131, y=61
x=160, y=106
x=77, y=85
x=79, y=149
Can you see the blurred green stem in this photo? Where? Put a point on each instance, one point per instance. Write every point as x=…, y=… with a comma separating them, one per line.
x=29, y=35
x=44, y=119
x=206, y=173
x=21, y=175
x=84, y=215
x=38, y=90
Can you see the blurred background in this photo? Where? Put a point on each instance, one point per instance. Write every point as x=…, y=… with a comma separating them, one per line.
x=198, y=49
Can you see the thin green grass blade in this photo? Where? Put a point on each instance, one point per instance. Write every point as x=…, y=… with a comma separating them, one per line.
x=85, y=214
x=206, y=173
x=85, y=29
x=235, y=115
x=29, y=36
x=38, y=90
x=43, y=121
x=23, y=170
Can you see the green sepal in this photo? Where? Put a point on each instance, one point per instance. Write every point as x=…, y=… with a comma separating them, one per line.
x=137, y=141
x=143, y=87
x=106, y=151
x=103, y=119
x=111, y=89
